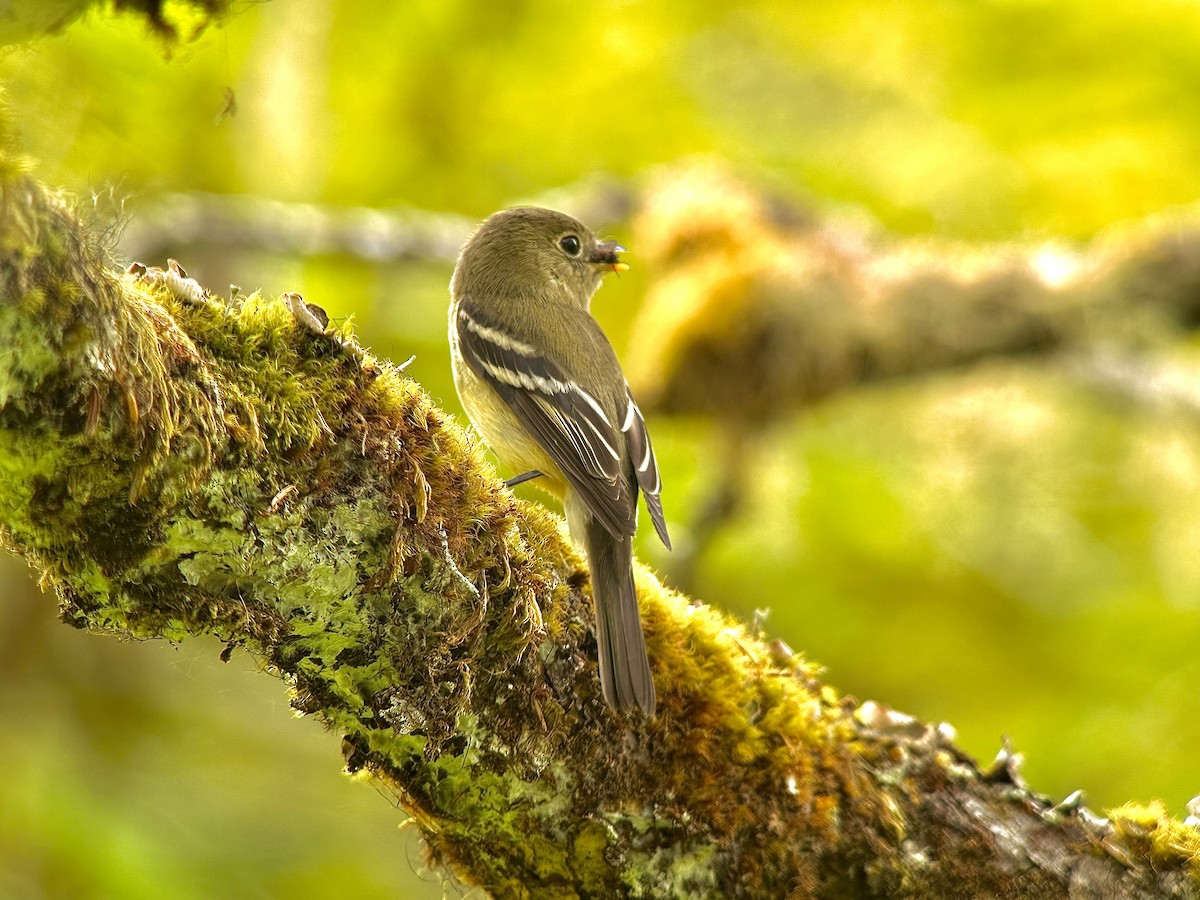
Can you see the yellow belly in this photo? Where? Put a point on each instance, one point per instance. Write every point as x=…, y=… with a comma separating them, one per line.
x=502, y=432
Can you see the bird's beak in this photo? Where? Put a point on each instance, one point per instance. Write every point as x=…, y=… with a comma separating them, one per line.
x=604, y=256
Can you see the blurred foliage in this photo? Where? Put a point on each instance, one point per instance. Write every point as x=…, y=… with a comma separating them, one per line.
x=974, y=119
x=995, y=548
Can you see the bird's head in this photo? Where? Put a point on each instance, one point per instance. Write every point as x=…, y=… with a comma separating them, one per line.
x=542, y=253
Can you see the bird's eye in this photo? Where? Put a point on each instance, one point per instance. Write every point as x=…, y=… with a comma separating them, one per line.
x=570, y=245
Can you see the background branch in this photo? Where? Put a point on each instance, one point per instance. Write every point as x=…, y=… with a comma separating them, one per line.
x=760, y=309
x=222, y=223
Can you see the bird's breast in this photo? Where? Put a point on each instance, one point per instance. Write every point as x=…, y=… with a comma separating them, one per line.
x=500, y=429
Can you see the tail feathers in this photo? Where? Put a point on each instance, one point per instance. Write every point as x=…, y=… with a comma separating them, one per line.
x=624, y=669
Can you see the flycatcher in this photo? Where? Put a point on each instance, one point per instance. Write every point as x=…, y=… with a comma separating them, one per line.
x=544, y=388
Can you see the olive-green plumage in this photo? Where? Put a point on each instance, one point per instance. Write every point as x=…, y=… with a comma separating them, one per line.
x=544, y=388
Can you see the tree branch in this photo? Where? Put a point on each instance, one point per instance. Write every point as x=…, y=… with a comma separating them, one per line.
x=174, y=464
x=758, y=311
x=221, y=223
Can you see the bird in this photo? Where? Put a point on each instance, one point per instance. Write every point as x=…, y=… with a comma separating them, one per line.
x=544, y=388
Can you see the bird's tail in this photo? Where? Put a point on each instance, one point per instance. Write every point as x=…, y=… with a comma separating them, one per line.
x=624, y=669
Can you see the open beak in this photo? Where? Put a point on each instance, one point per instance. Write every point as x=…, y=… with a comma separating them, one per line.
x=604, y=256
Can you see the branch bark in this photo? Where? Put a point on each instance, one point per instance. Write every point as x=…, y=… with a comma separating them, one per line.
x=175, y=464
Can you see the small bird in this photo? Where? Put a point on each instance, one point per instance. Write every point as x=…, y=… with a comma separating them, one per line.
x=544, y=388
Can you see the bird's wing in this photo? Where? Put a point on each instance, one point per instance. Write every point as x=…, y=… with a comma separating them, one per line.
x=568, y=422
x=645, y=466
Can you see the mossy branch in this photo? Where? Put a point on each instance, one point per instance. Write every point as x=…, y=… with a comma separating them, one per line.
x=173, y=464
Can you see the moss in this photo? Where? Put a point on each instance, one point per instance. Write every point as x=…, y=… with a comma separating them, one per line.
x=37, y=358
x=1149, y=832
x=683, y=870
x=592, y=872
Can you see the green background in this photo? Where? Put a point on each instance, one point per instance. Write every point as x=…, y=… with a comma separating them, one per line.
x=997, y=547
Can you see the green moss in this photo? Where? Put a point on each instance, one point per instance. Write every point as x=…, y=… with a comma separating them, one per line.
x=591, y=869
x=1149, y=832
x=36, y=359
x=682, y=870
